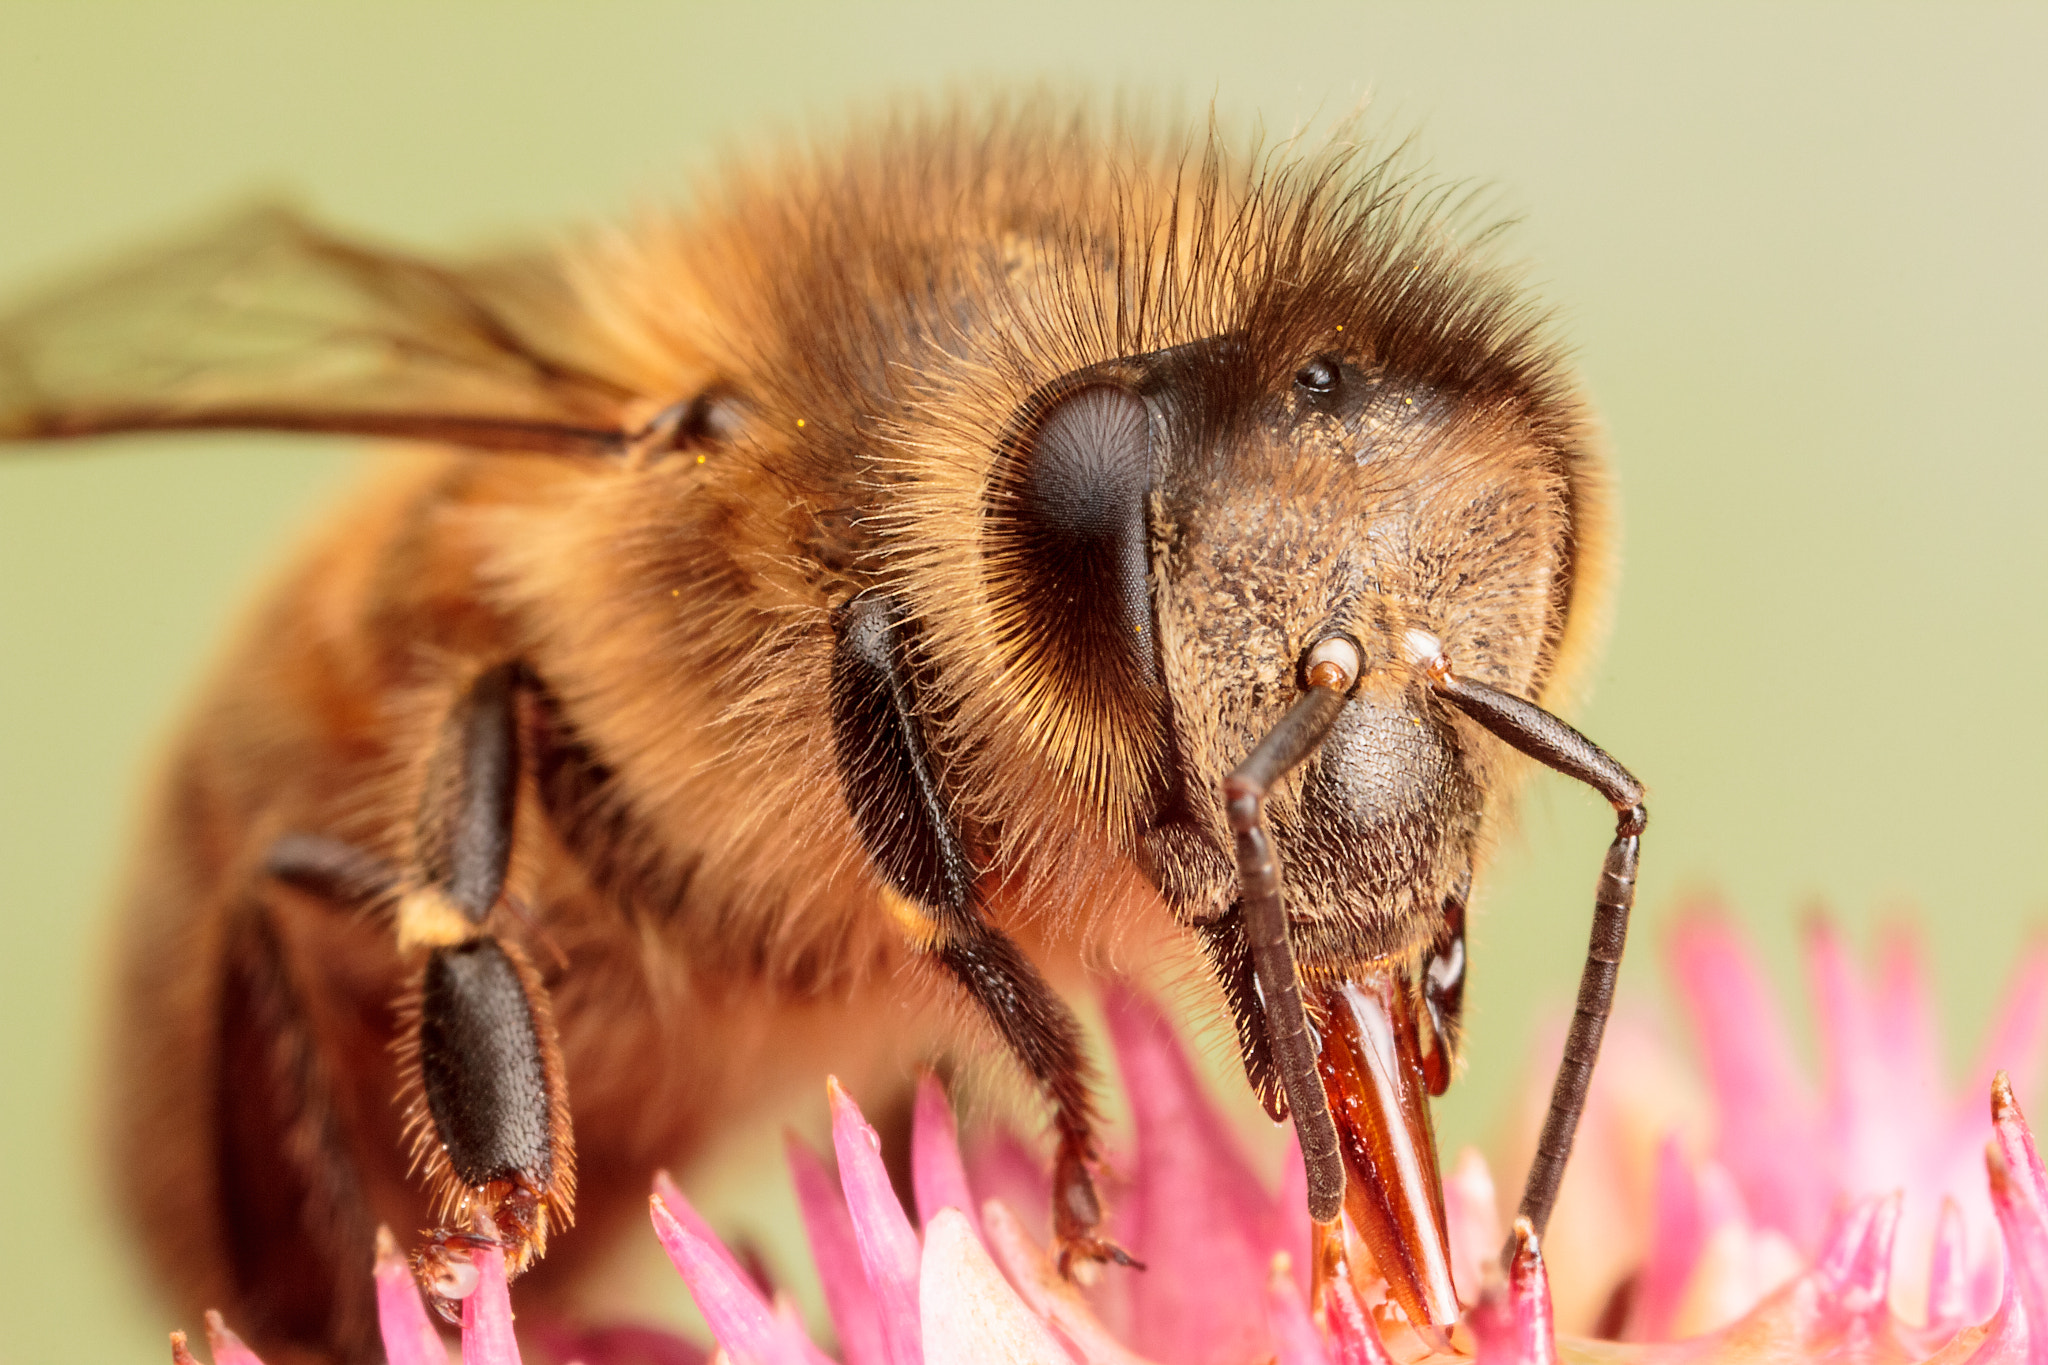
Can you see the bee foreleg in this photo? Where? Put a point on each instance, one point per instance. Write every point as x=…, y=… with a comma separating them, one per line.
x=1043, y=1034
x=899, y=807
x=486, y=1101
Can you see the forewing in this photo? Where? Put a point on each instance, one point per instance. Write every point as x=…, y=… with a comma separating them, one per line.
x=269, y=322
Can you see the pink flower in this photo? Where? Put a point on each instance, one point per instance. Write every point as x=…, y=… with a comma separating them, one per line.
x=1776, y=1243
x=1693, y=1201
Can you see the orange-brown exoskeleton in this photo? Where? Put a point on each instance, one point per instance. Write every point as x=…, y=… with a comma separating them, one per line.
x=996, y=530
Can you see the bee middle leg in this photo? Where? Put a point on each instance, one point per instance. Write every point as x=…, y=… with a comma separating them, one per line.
x=486, y=1099
x=889, y=778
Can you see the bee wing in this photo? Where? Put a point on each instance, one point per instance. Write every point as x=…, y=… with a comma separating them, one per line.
x=269, y=322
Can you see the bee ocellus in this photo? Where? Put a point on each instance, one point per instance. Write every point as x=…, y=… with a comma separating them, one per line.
x=910, y=566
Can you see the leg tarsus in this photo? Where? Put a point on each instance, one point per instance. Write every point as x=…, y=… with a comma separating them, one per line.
x=293, y=1208
x=1039, y=1029
x=1077, y=1212
x=510, y=1215
x=896, y=795
x=445, y=1269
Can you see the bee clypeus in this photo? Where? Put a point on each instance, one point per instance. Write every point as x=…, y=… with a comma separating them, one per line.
x=926, y=556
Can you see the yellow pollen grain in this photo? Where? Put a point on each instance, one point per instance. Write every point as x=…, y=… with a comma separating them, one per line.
x=428, y=919
x=923, y=933
x=799, y=421
x=700, y=459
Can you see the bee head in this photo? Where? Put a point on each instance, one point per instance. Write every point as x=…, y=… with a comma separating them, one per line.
x=1245, y=546
x=1171, y=534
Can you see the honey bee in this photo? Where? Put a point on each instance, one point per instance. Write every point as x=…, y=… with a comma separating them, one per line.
x=897, y=574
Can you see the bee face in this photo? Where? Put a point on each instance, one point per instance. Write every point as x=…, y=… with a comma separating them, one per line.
x=1228, y=556
x=1180, y=528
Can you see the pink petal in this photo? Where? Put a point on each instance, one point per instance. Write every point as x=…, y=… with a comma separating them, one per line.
x=487, y=1337
x=1197, y=1215
x=743, y=1323
x=2012, y=1044
x=1843, y=1297
x=1513, y=1326
x=2011, y=1333
x=1948, y=1274
x=684, y=1212
x=1678, y=1232
x=1866, y=1289
x=792, y=1320
x=410, y=1337
x=937, y=1174
x=1770, y=1131
x=1001, y=1167
x=1739, y=1267
x=836, y=1252
x=1882, y=1114
x=1907, y=1036
x=225, y=1347
x=970, y=1315
x=1473, y=1217
x=1842, y=1243
x=1294, y=1334
x=1354, y=1340
x=1046, y=1292
x=2016, y=1144
x=888, y=1244
x=2019, y=1196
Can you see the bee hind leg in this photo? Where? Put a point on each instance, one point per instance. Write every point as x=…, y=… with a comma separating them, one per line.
x=294, y=1215
x=486, y=1102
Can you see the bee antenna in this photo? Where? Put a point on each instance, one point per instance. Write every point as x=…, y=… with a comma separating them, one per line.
x=1332, y=667
x=1557, y=746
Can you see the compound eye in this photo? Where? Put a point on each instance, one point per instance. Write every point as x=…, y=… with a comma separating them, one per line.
x=1066, y=553
x=1090, y=467
x=1319, y=376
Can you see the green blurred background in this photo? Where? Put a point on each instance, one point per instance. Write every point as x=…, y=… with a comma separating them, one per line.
x=1800, y=253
